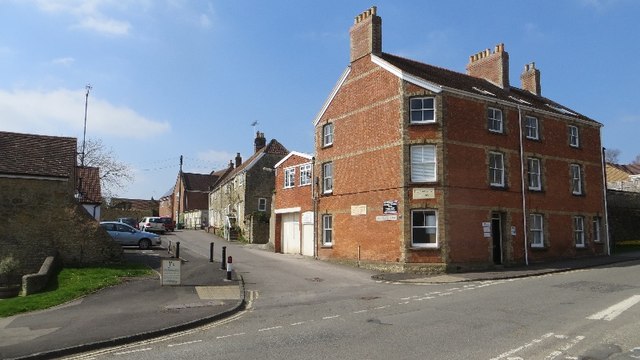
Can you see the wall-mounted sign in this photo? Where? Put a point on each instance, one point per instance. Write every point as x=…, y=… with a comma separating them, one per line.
x=307, y=217
x=390, y=207
x=424, y=193
x=386, y=217
x=358, y=210
x=486, y=229
x=513, y=231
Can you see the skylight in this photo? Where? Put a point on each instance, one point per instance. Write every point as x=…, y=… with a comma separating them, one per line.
x=483, y=91
x=521, y=101
x=561, y=110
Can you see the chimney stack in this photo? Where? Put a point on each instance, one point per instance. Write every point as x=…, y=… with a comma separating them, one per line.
x=259, y=142
x=238, y=160
x=530, y=79
x=366, y=35
x=230, y=164
x=491, y=66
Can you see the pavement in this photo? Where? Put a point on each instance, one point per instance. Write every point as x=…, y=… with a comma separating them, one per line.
x=138, y=309
x=143, y=308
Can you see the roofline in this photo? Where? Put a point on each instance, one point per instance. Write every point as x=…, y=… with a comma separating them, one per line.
x=337, y=87
x=34, y=177
x=437, y=88
x=290, y=154
x=406, y=76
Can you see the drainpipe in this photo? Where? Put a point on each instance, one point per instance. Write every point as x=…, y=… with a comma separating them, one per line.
x=606, y=205
x=524, y=195
x=314, y=199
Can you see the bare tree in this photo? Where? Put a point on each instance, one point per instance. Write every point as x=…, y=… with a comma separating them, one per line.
x=113, y=173
x=612, y=156
x=636, y=161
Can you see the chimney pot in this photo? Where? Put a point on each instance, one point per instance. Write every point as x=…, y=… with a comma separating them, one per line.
x=491, y=66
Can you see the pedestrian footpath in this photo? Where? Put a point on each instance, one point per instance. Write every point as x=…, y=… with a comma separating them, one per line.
x=138, y=309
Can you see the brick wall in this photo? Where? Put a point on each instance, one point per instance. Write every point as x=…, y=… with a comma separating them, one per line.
x=40, y=219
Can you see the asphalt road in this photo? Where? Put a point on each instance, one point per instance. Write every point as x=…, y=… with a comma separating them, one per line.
x=300, y=308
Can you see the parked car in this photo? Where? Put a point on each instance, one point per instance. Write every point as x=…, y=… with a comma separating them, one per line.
x=129, y=221
x=169, y=224
x=152, y=224
x=124, y=234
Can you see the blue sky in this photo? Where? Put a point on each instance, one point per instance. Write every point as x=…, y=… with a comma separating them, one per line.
x=178, y=77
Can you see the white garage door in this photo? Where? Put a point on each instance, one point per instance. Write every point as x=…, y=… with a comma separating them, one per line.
x=291, y=233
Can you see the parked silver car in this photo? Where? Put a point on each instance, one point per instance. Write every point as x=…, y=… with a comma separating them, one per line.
x=124, y=234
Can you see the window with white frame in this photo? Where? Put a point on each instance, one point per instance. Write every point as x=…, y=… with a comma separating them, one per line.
x=578, y=231
x=574, y=136
x=536, y=229
x=262, y=204
x=327, y=177
x=327, y=230
x=576, y=179
x=494, y=120
x=289, y=177
x=424, y=228
x=423, y=163
x=597, y=237
x=534, y=173
x=496, y=169
x=327, y=134
x=305, y=174
x=531, y=128
x=422, y=110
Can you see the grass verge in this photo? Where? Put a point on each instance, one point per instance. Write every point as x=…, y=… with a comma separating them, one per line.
x=626, y=246
x=72, y=283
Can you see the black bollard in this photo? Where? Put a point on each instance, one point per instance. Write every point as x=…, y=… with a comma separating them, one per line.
x=211, y=252
x=178, y=249
x=229, y=261
x=223, y=265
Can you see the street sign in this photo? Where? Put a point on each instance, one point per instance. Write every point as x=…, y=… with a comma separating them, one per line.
x=171, y=271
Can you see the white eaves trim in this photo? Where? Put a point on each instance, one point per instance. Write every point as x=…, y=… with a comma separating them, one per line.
x=288, y=210
x=302, y=155
x=405, y=76
x=343, y=77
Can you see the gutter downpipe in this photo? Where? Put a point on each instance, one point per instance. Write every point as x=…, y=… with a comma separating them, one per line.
x=314, y=199
x=524, y=197
x=606, y=204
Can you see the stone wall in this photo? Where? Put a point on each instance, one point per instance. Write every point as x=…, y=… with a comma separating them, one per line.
x=41, y=219
x=624, y=215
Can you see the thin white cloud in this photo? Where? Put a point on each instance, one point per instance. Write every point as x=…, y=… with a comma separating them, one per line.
x=61, y=112
x=64, y=61
x=599, y=5
x=205, y=21
x=92, y=15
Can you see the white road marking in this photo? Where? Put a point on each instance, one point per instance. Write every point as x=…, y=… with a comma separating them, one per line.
x=360, y=311
x=271, y=328
x=132, y=351
x=613, y=311
x=528, y=345
x=228, y=336
x=298, y=323
x=184, y=343
x=330, y=317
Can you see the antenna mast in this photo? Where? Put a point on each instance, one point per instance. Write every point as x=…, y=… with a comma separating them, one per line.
x=84, y=134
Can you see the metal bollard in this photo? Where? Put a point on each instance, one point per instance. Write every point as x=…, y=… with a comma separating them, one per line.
x=223, y=265
x=169, y=247
x=211, y=252
x=229, y=261
x=178, y=249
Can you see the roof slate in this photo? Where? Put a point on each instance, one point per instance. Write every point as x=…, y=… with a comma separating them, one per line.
x=90, y=184
x=198, y=182
x=37, y=155
x=459, y=81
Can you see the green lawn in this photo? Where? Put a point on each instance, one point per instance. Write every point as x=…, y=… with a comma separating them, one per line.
x=72, y=283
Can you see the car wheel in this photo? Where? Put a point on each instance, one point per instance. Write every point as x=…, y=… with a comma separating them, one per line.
x=144, y=244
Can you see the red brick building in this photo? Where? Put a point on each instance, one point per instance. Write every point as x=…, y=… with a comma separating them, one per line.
x=425, y=169
x=293, y=205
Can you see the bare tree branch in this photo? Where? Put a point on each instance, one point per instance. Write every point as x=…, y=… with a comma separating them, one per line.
x=113, y=174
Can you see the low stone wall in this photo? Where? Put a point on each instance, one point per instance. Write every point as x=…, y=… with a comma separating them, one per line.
x=33, y=283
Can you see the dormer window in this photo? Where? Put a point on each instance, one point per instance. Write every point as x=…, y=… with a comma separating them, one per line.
x=423, y=110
